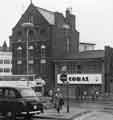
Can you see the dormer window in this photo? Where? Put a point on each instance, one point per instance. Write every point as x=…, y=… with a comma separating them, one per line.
x=19, y=48
x=43, y=50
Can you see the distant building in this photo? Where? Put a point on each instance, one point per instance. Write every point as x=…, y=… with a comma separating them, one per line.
x=83, y=46
x=5, y=60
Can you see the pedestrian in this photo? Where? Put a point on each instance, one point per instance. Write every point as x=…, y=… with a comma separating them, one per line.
x=59, y=102
x=51, y=95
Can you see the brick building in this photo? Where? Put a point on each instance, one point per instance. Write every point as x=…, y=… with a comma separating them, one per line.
x=43, y=42
x=47, y=40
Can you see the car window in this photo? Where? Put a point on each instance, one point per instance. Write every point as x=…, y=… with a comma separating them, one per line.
x=1, y=92
x=6, y=93
x=27, y=92
x=10, y=93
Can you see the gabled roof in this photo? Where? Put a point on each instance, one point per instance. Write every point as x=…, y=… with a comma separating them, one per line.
x=48, y=15
x=5, y=48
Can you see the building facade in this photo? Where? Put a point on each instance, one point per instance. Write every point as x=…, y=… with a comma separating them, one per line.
x=5, y=61
x=85, y=74
x=43, y=42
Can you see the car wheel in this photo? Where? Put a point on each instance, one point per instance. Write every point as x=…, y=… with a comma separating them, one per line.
x=28, y=117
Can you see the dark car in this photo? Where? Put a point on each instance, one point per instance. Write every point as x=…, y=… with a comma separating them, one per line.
x=19, y=102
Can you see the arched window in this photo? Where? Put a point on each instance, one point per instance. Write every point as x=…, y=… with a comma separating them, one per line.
x=31, y=18
x=19, y=36
x=19, y=48
x=19, y=52
x=31, y=67
x=31, y=47
x=31, y=35
x=43, y=47
x=31, y=52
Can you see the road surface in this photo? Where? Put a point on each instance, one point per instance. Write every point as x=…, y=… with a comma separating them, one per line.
x=96, y=116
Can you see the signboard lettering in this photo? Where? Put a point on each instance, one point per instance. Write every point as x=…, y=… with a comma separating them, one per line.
x=78, y=78
x=81, y=78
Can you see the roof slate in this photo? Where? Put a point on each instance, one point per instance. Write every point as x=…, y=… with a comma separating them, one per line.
x=48, y=15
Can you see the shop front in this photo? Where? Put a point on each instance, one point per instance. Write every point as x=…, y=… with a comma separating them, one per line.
x=82, y=86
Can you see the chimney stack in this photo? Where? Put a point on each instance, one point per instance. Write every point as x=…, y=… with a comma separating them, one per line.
x=70, y=18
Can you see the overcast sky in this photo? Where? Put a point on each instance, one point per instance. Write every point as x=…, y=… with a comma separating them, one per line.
x=94, y=18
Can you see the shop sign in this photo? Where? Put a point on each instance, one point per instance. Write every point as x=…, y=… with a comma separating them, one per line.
x=82, y=78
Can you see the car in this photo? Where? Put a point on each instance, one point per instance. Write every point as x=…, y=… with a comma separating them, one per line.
x=19, y=101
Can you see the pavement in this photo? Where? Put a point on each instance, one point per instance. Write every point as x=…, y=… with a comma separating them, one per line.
x=77, y=109
x=96, y=115
x=63, y=115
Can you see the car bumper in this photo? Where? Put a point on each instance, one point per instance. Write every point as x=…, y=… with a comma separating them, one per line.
x=31, y=112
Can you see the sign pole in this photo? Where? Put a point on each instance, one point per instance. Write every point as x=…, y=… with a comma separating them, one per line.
x=63, y=78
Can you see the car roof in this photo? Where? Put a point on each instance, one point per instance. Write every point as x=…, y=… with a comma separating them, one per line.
x=14, y=86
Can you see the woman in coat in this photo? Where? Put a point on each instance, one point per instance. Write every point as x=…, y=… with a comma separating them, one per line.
x=59, y=100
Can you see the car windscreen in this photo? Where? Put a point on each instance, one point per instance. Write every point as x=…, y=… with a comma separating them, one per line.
x=28, y=92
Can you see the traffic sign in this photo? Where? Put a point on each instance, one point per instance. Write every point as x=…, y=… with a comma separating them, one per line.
x=63, y=77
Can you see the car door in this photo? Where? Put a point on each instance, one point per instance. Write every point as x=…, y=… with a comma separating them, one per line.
x=3, y=100
x=11, y=99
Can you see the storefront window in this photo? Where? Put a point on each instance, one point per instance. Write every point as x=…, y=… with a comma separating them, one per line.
x=6, y=61
x=78, y=69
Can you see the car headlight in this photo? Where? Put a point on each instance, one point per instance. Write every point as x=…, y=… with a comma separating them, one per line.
x=35, y=107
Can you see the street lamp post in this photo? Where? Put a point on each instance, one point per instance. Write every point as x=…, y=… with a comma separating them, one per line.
x=27, y=52
x=67, y=27
x=27, y=25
